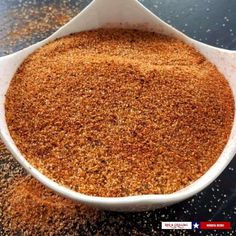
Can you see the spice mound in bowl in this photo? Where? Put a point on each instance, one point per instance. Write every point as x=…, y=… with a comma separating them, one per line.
x=115, y=112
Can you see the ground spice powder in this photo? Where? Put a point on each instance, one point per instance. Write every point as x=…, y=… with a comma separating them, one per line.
x=29, y=208
x=28, y=22
x=115, y=112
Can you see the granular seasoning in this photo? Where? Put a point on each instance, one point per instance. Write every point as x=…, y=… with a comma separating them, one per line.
x=9, y=171
x=31, y=209
x=116, y=112
x=29, y=22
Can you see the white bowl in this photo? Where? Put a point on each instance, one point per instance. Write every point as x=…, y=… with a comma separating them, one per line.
x=126, y=14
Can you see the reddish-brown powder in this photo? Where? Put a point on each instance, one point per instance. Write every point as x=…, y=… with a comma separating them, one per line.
x=31, y=209
x=120, y=112
x=24, y=24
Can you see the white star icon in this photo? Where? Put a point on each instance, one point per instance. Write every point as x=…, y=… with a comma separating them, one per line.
x=196, y=225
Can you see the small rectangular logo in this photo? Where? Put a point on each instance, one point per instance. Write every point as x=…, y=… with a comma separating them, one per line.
x=215, y=225
x=176, y=225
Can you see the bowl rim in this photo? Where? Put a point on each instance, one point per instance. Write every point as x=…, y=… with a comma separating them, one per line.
x=215, y=170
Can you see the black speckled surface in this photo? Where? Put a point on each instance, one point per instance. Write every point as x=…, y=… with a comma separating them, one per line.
x=210, y=21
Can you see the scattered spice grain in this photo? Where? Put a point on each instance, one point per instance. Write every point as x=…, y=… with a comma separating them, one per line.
x=115, y=112
x=29, y=22
x=31, y=209
x=9, y=170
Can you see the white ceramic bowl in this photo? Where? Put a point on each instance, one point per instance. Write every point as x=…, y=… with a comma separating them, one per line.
x=127, y=14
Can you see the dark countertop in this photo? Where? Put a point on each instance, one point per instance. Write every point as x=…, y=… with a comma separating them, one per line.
x=210, y=21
